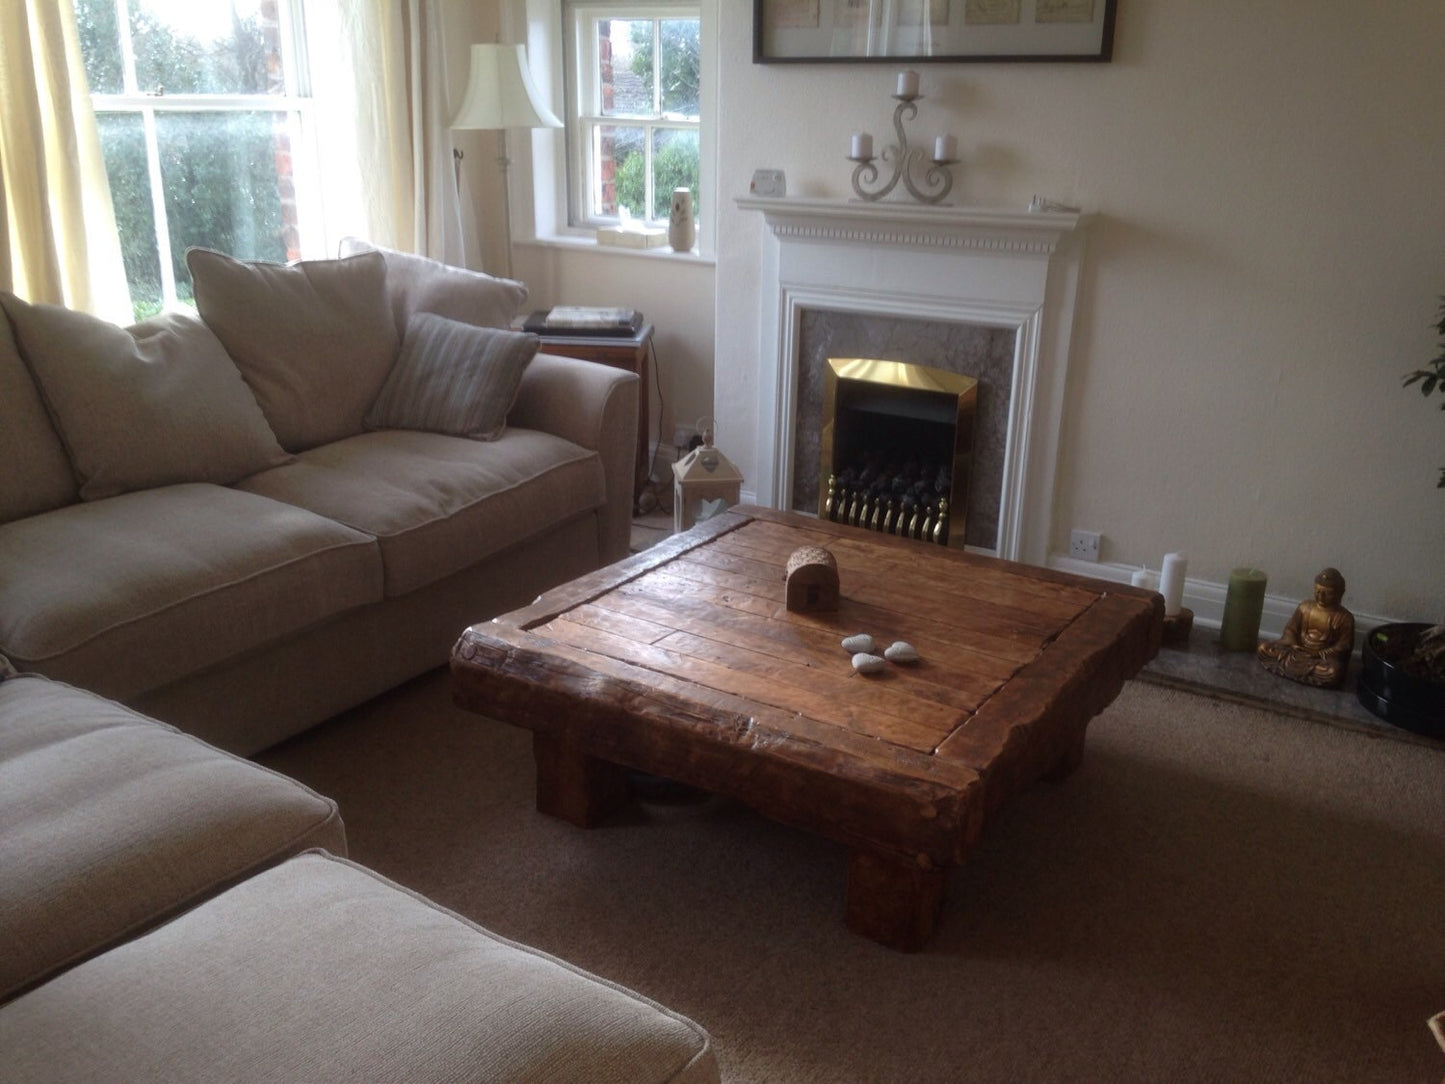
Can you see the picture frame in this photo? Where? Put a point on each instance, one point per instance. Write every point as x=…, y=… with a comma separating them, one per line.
x=921, y=31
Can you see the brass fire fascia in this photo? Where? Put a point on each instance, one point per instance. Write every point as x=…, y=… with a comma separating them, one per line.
x=902, y=374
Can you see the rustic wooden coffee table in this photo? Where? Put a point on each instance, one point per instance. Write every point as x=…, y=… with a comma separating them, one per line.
x=683, y=661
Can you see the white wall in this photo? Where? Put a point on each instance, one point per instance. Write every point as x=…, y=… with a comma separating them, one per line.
x=674, y=294
x=1264, y=264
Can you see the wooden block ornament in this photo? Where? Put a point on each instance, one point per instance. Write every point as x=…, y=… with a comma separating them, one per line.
x=812, y=581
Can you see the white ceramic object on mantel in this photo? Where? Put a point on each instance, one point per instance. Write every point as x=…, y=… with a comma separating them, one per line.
x=681, y=232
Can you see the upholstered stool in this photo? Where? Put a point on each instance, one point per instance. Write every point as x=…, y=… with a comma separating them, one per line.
x=114, y=822
x=320, y=970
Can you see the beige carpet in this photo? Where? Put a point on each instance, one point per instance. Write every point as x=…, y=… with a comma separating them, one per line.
x=1218, y=894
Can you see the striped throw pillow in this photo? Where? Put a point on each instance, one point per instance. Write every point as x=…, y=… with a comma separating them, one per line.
x=453, y=378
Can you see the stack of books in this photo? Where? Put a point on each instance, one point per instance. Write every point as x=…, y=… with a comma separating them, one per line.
x=577, y=320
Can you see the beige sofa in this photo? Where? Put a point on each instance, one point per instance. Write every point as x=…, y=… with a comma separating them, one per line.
x=171, y=912
x=244, y=523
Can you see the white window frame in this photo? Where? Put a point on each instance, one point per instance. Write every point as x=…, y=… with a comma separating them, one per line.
x=297, y=103
x=540, y=172
x=585, y=118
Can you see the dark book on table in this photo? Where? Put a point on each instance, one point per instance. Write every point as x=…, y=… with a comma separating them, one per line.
x=576, y=320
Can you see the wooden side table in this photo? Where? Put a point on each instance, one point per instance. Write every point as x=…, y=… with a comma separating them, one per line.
x=621, y=352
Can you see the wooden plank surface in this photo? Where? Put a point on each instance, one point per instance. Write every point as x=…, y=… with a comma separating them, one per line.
x=1038, y=718
x=715, y=615
x=838, y=696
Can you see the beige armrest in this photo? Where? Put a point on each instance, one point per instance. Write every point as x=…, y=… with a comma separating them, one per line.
x=595, y=406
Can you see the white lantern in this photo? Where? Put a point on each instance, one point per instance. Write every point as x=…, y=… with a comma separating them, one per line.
x=704, y=483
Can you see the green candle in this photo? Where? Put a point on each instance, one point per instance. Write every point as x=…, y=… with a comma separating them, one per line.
x=1243, y=608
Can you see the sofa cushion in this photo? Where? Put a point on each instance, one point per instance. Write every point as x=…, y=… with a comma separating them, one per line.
x=420, y=284
x=453, y=378
x=114, y=822
x=314, y=339
x=35, y=474
x=320, y=970
x=145, y=406
x=438, y=504
x=128, y=594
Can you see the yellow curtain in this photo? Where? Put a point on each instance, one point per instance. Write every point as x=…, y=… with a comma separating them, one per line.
x=59, y=244
x=387, y=70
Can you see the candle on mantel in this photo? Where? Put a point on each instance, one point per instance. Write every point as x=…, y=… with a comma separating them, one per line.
x=1243, y=608
x=945, y=148
x=862, y=145
x=1171, y=582
x=1142, y=578
x=907, y=84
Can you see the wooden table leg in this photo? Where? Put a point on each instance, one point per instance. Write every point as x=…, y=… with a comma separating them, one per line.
x=892, y=900
x=573, y=786
x=1069, y=760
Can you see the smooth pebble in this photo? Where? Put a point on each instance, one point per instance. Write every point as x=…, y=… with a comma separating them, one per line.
x=901, y=651
x=862, y=642
x=865, y=663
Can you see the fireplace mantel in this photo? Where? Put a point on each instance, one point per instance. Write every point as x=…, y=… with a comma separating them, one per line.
x=968, y=265
x=915, y=224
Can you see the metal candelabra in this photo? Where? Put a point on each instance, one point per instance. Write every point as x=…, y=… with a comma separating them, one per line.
x=937, y=178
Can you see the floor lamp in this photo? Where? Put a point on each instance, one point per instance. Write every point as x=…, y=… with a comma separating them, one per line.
x=501, y=95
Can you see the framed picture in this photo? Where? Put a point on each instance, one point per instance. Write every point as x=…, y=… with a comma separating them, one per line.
x=853, y=31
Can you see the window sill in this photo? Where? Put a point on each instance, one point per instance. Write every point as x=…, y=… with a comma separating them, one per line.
x=584, y=243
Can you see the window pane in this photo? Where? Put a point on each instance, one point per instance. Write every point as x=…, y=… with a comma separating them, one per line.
x=679, y=74
x=624, y=50
x=224, y=176
x=622, y=170
x=100, y=45
x=122, y=141
x=194, y=47
x=675, y=156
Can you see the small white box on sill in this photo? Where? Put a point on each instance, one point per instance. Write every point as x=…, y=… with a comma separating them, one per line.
x=632, y=236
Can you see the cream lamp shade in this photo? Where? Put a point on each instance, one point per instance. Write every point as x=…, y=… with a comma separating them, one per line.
x=500, y=92
x=501, y=95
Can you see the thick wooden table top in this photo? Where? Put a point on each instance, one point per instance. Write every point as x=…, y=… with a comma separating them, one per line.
x=684, y=661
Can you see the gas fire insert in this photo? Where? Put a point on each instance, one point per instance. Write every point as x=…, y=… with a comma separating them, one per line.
x=897, y=448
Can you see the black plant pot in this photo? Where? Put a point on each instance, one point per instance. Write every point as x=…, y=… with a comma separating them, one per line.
x=1395, y=691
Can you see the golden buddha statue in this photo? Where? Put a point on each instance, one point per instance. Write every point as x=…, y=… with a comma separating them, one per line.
x=1318, y=639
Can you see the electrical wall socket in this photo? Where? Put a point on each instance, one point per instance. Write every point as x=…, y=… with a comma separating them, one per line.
x=1084, y=545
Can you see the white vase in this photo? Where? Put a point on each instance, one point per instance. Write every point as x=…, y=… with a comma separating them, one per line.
x=680, y=229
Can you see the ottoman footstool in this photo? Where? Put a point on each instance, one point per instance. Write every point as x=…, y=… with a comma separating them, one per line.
x=320, y=970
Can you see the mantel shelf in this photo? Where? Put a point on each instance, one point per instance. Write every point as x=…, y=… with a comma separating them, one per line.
x=916, y=223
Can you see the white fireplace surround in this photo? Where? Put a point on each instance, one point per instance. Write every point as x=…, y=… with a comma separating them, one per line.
x=965, y=265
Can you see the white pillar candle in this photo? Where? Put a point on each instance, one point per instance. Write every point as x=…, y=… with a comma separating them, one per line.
x=1171, y=582
x=908, y=84
x=862, y=145
x=945, y=148
x=1143, y=579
